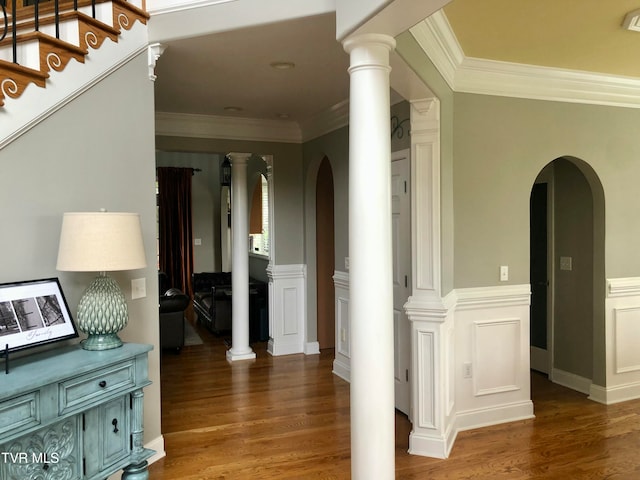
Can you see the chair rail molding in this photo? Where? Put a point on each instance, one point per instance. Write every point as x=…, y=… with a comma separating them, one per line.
x=287, y=309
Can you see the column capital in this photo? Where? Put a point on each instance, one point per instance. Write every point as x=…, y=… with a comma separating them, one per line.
x=369, y=40
x=238, y=158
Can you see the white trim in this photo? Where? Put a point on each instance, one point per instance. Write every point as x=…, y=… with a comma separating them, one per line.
x=342, y=360
x=287, y=309
x=571, y=380
x=327, y=121
x=231, y=128
x=434, y=446
x=342, y=370
x=493, y=297
x=156, y=444
x=435, y=36
x=484, y=417
x=623, y=287
x=489, y=77
x=158, y=7
x=312, y=348
x=616, y=394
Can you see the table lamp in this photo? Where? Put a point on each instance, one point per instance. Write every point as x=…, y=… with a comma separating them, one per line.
x=101, y=242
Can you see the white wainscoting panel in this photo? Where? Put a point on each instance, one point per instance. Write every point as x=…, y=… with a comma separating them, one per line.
x=496, y=356
x=287, y=309
x=342, y=361
x=622, y=337
x=627, y=331
x=492, y=355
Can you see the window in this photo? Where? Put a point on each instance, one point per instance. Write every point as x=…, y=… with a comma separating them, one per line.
x=259, y=219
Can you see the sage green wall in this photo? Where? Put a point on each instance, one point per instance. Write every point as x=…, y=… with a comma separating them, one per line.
x=287, y=180
x=573, y=290
x=205, y=197
x=501, y=144
x=400, y=126
x=96, y=152
x=411, y=52
x=335, y=146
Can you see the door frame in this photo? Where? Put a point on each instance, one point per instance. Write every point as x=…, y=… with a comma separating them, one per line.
x=546, y=176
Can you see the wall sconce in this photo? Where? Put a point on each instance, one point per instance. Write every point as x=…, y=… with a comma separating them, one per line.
x=101, y=242
x=225, y=172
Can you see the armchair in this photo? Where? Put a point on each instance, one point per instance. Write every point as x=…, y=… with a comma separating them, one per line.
x=172, y=306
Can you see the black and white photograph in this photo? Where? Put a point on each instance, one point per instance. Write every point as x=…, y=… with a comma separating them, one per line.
x=34, y=312
x=8, y=320
x=50, y=310
x=28, y=314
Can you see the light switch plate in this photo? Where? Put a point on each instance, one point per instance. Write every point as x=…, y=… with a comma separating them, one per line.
x=138, y=288
x=504, y=273
x=566, y=263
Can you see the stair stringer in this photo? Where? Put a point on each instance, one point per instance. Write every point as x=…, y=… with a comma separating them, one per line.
x=36, y=104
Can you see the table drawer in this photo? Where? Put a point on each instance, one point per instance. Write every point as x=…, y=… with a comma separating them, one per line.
x=19, y=413
x=89, y=387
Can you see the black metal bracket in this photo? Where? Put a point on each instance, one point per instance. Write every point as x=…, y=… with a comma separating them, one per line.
x=5, y=354
x=396, y=127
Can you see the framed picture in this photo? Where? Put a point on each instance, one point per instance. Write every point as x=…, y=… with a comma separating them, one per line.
x=33, y=313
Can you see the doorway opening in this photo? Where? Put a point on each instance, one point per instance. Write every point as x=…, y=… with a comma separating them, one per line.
x=325, y=255
x=567, y=274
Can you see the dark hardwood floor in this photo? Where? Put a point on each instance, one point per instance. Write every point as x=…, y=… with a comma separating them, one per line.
x=288, y=418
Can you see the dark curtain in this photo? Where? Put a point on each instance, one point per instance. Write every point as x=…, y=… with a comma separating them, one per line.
x=174, y=222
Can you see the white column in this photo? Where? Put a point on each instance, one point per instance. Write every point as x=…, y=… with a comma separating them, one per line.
x=240, y=349
x=370, y=259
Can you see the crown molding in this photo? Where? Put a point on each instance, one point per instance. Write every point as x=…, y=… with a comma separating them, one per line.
x=233, y=128
x=490, y=77
x=326, y=121
x=435, y=36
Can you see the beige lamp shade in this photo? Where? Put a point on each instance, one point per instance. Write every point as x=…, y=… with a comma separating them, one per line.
x=100, y=242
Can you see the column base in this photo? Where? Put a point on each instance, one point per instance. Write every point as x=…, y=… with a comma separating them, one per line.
x=234, y=357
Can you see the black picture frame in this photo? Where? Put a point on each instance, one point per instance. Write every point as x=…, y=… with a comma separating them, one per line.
x=33, y=313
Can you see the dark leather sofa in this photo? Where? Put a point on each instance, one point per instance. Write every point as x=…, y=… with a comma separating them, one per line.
x=172, y=306
x=212, y=302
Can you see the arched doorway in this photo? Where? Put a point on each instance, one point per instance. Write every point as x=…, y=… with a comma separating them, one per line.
x=567, y=274
x=325, y=255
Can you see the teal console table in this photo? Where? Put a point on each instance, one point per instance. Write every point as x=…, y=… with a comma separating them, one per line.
x=70, y=413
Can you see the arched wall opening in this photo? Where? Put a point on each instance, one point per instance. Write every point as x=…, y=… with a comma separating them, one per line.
x=567, y=314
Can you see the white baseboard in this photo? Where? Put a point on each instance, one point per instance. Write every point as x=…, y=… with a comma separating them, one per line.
x=617, y=394
x=571, y=380
x=341, y=370
x=435, y=447
x=158, y=445
x=312, y=348
x=276, y=348
x=484, y=417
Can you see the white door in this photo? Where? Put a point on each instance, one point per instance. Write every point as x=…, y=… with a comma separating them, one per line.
x=401, y=231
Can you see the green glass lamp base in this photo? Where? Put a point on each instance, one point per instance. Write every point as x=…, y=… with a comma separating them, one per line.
x=102, y=313
x=105, y=341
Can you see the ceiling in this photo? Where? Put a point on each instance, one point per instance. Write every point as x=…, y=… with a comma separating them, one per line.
x=208, y=74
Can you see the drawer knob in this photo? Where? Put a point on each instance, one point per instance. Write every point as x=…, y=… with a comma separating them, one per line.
x=103, y=384
x=114, y=422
